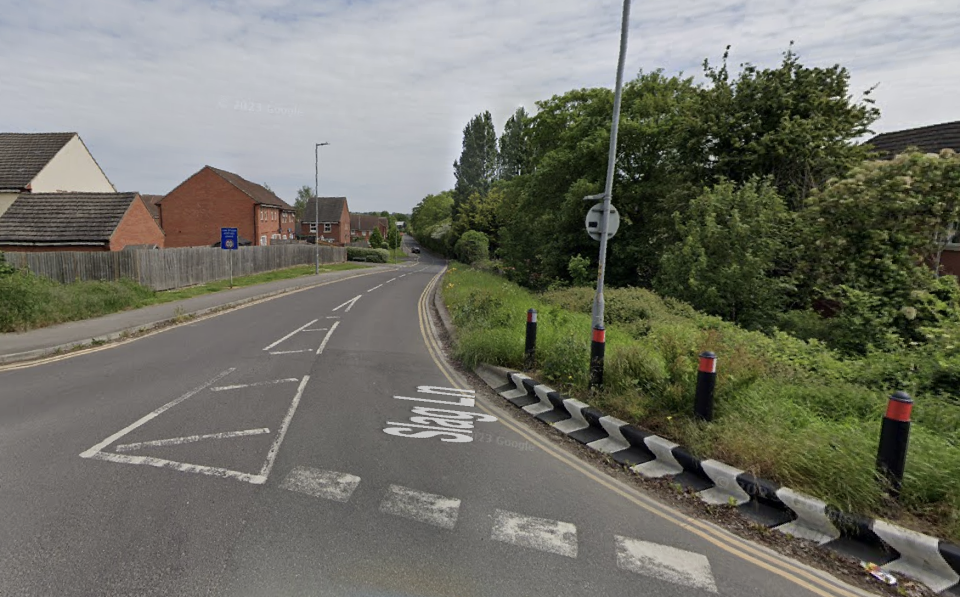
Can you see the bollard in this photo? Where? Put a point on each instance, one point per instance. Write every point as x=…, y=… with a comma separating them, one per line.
x=597, y=347
x=894, y=437
x=706, y=382
x=531, y=348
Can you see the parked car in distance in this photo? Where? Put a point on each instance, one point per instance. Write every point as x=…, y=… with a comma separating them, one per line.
x=415, y=250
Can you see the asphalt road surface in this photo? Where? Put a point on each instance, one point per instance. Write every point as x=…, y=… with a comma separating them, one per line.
x=317, y=444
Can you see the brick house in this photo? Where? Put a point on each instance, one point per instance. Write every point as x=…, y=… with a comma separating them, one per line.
x=334, y=220
x=928, y=139
x=192, y=214
x=78, y=222
x=47, y=163
x=151, y=202
x=361, y=226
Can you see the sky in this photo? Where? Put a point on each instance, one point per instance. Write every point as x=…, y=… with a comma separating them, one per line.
x=159, y=88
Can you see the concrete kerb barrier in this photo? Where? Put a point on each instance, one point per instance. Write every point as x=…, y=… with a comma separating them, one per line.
x=933, y=562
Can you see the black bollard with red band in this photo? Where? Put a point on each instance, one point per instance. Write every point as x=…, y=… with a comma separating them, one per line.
x=531, y=348
x=894, y=438
x=706, y=382
x=597, y=348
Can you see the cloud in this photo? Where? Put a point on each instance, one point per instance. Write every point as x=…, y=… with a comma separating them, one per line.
x=158, y=88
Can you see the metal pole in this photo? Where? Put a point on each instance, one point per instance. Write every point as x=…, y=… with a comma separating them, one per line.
x=598, y=303
x=316, y=202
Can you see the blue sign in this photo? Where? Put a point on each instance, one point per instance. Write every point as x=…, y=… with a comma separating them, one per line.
x=229, y=239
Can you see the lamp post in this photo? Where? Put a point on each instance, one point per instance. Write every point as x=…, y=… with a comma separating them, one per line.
x=599, y=334
x=316, y=202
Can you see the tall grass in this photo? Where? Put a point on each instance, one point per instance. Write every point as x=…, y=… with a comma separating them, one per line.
x=787, y=410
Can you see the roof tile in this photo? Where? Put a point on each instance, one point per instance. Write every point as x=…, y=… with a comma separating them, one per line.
x=64, y=218
x=23, y=156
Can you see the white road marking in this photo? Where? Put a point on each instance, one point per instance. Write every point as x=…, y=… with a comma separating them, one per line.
x=421, y=506
x=96, y=449
x=349, y=304
x=290, y=351
x=329, y=485
x=301, y=328
x=317, y=330
x=390, y=280
x=537, y=533
x=253, y=385
x=174, y=441
x=402, y=275
x=375, y=287
x=666, y=563
x=181, y=466
x=452, y=429
x=275, y=448
x=327, y=337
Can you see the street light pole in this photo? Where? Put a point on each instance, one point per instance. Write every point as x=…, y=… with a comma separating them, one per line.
x=316, y=202
x=599, y=332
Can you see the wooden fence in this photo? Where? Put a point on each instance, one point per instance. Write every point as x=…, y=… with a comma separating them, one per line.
x=165, y=269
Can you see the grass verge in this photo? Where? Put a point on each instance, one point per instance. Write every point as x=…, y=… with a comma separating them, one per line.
x=29, y=302
x=787, y=410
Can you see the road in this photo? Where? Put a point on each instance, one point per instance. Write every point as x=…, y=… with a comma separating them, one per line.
x=295, y=447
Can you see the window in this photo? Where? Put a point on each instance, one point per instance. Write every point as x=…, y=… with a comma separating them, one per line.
x=313, y=227
x=953, y=234
x=327, y=227
x=263, y=240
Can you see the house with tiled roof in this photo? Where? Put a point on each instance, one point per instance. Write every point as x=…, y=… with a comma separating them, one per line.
x=362, y=226
x=192, y=214
x=78, y=222
x=328, y=215
x=47, y=163
x=928, y=139
x=151, y=202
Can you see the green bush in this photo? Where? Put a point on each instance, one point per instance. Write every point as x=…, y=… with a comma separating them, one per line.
x=580, y=271
x=370, y=255
x=472, y=247
x=5, y=268
x=376, y=240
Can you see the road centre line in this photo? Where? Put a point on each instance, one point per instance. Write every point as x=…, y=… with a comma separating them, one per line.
x=390, y=280
x=92, y=452
x=290, y=351
x=375, y=287
x=275, y=448
x=327, y=337
x=175, y=441
x=349, y=304
x=301, y=328
x=254, y=385
x=809, y=578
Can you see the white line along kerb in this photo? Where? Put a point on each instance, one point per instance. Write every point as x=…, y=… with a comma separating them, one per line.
x=299, y=329
x=349, y=304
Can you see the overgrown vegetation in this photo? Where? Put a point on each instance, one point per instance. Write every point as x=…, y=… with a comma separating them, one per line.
x=787, y=409
x=365, y=254
x=28, y=301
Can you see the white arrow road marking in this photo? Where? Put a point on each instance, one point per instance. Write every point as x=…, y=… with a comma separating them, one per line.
x=329, y=485
x=665, y=562
x=275, y=448
x=299, y=329
x=375, y=287
x=327, y=337
x=174, y=441
x=538, y=533
x=421, y=506
x=255, y=384
x=349, y=304
x=146, y=418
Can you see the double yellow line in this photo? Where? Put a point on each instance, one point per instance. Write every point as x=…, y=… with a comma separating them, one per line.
x=740, y=548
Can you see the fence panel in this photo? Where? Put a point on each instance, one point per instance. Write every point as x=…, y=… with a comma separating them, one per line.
x=166, y=269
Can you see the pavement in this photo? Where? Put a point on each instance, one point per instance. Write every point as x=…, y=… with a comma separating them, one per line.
x=320, y=443
x=15, y=347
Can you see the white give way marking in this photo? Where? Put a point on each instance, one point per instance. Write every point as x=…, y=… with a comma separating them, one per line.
x=304, y=328
x=259, y=478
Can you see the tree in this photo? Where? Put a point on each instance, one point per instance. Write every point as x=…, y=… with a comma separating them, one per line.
x=513, y=145
x=476, y=169
x=877, y=235
x=797, y=124
x=376, y=239
x=393, y=238
x=300, y=205
x=472, y=247
x=429, y=216
x=731, y=239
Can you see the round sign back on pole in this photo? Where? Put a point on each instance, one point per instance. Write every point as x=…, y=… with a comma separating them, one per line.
x=594, y=221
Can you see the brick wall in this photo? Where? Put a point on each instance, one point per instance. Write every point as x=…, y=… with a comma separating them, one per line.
x=193, y=214
x=137, y=228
